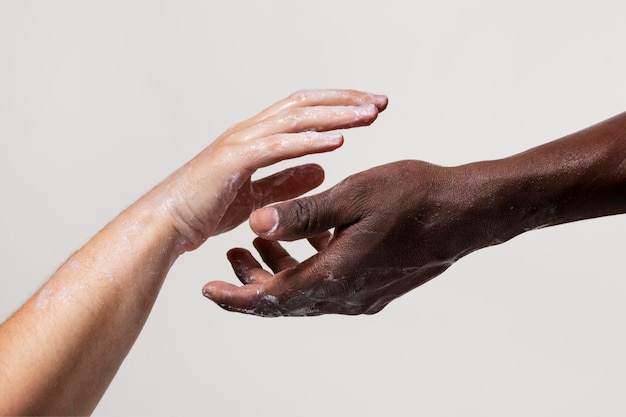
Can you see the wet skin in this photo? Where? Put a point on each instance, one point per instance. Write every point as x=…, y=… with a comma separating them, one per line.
x=77, y=329
x=399, y=225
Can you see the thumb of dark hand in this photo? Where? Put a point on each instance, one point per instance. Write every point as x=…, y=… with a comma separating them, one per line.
x=297, y=219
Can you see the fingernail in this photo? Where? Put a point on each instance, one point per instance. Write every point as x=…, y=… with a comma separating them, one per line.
x=379, y=100
x=264, y=221
x=367, y=109
x=331, y=138
x=207, y=290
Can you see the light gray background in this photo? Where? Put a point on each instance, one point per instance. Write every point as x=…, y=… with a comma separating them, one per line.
x=99, y=101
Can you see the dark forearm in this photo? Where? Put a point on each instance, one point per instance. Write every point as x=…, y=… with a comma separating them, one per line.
x=580, y=176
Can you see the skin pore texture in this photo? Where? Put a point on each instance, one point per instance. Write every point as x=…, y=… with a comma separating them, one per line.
x=61, y=349
x=396, y=226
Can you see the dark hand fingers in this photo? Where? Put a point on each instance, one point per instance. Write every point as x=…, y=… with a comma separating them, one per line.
x=232, y=298
x=246, y=268
x=248, y=299
x=302, y=218
x=286, y=184
x=321, y=241
x=298, y=291
x=274, y=255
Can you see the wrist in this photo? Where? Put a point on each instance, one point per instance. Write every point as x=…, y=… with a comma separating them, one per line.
x=186, y=205
x=578, y=177
x=507, y=199
x=484, y=205
x=148, y=227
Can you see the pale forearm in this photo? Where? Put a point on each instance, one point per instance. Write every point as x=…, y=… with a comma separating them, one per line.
x=59, y=352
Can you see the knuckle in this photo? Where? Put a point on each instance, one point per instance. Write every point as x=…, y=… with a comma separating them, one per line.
x=300, y=96
x=308, y=216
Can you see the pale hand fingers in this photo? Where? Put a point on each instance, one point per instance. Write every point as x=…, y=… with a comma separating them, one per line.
x=319, y=119
x=281, y=186
x=274, y=148
x=310, y=98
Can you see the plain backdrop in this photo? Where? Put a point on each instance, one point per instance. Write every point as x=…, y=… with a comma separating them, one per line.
x=101, y=100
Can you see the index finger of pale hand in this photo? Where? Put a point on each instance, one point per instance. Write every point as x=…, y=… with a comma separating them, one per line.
x=309, y=98
x=319, y=119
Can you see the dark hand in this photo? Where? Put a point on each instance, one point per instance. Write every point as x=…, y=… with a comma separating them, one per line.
x=399, y=225
x=396, y=227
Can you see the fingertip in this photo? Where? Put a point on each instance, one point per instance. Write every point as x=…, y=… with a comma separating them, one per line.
x=218, y=291
x=234, y=253
x=368, y=109
x=368, y=113
x=315, y=174
x=264, y=221
x=262, y=245
x=208, y=290
x=380, y=101
x=235, y=257
x=258, y=241
x=320, y=142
